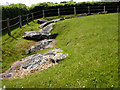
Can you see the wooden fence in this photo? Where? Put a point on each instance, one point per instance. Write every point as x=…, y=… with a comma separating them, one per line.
x=58, y=11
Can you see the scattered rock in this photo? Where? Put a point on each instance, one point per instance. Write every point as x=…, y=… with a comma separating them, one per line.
x=40, y=21
x=39, y=35
x=35, y=62
x=42, y=45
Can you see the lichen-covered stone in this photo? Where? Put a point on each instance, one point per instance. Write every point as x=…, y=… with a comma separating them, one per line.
x=45, y=24
x=82, y=15
x=39, y=35
x=48, y=28
x=40, y=21
x=47, y=43
x=68, y=17
x=30, y=63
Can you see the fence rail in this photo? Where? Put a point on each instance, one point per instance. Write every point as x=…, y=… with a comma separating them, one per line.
x=57, y=12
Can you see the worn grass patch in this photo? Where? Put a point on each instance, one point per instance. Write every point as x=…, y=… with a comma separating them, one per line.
x=92, y=45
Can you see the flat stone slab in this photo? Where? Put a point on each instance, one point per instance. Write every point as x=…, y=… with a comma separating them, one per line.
x=34, y=62
x=40, y=21
x=39, y=35
x=45, y=24
x=82, y=15
x=48, y=22
x=48, y=28
x=44, y=44
x=68, y=17
x=56, y=20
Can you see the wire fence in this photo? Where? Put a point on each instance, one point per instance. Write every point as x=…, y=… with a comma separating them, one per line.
x=9, y=23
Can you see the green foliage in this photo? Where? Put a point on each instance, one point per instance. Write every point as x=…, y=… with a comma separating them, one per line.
x=13, y=10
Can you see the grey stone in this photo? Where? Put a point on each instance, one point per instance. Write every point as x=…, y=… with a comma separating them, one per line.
x=59, y=56
x=41, y=45
x=33, y=61
x=56, y=20
x=1, y=78
x=48, y=28
x=37, y=35
x=40, y=21
x=68, y=17
x=8, y=75
x=48, y=22
x=56, y=50
x=82, y=15
x=45, y=24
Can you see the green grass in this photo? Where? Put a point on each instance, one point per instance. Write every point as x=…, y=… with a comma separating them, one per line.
x=92, y=45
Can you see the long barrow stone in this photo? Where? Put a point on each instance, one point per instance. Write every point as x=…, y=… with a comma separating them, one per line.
x=82, y=15
x=39, y=35
x=48, y=22
x=40, y=21
x=45, y=24
x=47, y=43
x=48, y=28
x=68, y=17
x=56, y=20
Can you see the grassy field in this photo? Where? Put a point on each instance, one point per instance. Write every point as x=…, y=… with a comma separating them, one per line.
x=92, y=45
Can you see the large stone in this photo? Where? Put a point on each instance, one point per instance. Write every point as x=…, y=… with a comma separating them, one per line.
x=82, y=15
x=45, y=24
x=30, y=63
x=47, y=43
x=40, y=21
x=56, y=20
x=48, y=22
x=39, y=35
x=68, y=17
x=48, y=28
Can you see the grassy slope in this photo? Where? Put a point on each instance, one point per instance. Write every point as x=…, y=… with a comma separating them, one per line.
x=92, y=45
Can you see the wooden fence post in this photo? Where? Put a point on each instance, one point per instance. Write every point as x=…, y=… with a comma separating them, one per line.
x=43, y=14
x=117, y=9
x=74, y=10
x=20, y=21
x=8, y=26
x=104, y=8
x=88, y=9
x=58, y=11
x=27, y=20
x=32, y=17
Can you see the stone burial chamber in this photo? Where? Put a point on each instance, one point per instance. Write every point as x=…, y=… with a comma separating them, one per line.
x=35, y=63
